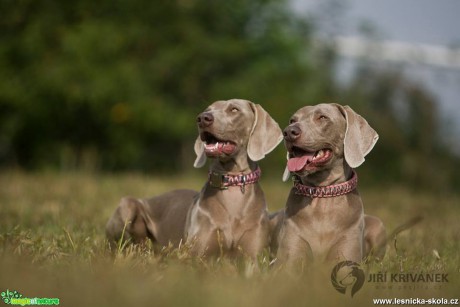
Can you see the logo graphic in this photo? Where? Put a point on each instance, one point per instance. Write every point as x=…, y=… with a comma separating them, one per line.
x=347, y=275
x=16, y=298
x=9, y=295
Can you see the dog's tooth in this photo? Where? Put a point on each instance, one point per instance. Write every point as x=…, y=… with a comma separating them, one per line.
x=318, y=154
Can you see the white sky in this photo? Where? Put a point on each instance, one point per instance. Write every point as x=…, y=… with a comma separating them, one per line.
x=416, y=21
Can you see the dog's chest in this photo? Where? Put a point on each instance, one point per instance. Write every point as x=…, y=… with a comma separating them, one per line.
x=323, y=218
x=236, y=213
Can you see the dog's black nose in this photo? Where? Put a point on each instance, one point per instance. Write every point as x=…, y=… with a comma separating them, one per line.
x=205, y=119
x=292, y=133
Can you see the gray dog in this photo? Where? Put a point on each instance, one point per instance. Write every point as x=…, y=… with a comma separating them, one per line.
x=324, y=218
x=229, y=214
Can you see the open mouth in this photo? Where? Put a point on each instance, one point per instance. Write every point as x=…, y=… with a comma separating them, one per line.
x=214, y=147
x=300, y=159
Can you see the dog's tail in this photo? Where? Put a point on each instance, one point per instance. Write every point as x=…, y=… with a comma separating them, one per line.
x=376, y=246
x=409, y=224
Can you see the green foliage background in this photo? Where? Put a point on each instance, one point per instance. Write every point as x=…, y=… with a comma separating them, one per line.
x=116, y=85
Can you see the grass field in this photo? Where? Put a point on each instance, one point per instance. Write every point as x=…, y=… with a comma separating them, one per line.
x=52, y=245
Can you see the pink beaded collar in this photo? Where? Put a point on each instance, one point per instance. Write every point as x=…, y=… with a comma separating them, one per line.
x=223, y=181
x=326, y=191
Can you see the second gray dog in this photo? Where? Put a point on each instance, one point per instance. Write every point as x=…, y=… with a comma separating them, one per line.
x=324, y=219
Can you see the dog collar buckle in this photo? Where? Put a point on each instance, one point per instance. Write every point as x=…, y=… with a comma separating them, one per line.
x=221, y=181
x=217, y=180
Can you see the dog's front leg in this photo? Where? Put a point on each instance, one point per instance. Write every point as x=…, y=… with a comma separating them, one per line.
x=349, y=247
x=294, y=252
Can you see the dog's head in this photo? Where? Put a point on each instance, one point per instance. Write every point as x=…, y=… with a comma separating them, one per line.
x=232, y=127
x=318, y=137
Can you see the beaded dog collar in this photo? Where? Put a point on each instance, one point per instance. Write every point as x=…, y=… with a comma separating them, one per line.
x=223, y=181
x=326, y=191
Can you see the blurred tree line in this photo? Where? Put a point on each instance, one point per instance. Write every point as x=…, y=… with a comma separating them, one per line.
x=116, y=85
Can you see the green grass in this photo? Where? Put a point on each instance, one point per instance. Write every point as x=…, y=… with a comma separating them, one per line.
x=52, y=244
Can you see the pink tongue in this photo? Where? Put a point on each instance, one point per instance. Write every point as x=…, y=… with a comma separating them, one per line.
x=213, y=150
x=298, y=163
x=228, y=148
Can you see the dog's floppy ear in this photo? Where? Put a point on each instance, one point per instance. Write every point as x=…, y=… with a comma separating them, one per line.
x=200, y=155
x=359, y=139
x=286, y=173
x=265, y=135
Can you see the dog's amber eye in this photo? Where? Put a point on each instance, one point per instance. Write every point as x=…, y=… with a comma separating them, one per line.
x=234, y=110
x=291, y=121
x=322, y=117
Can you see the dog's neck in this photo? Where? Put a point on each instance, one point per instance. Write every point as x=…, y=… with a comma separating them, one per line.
x=230, y=173
x=339, y=172
x=235, y=165
x=332, y=184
